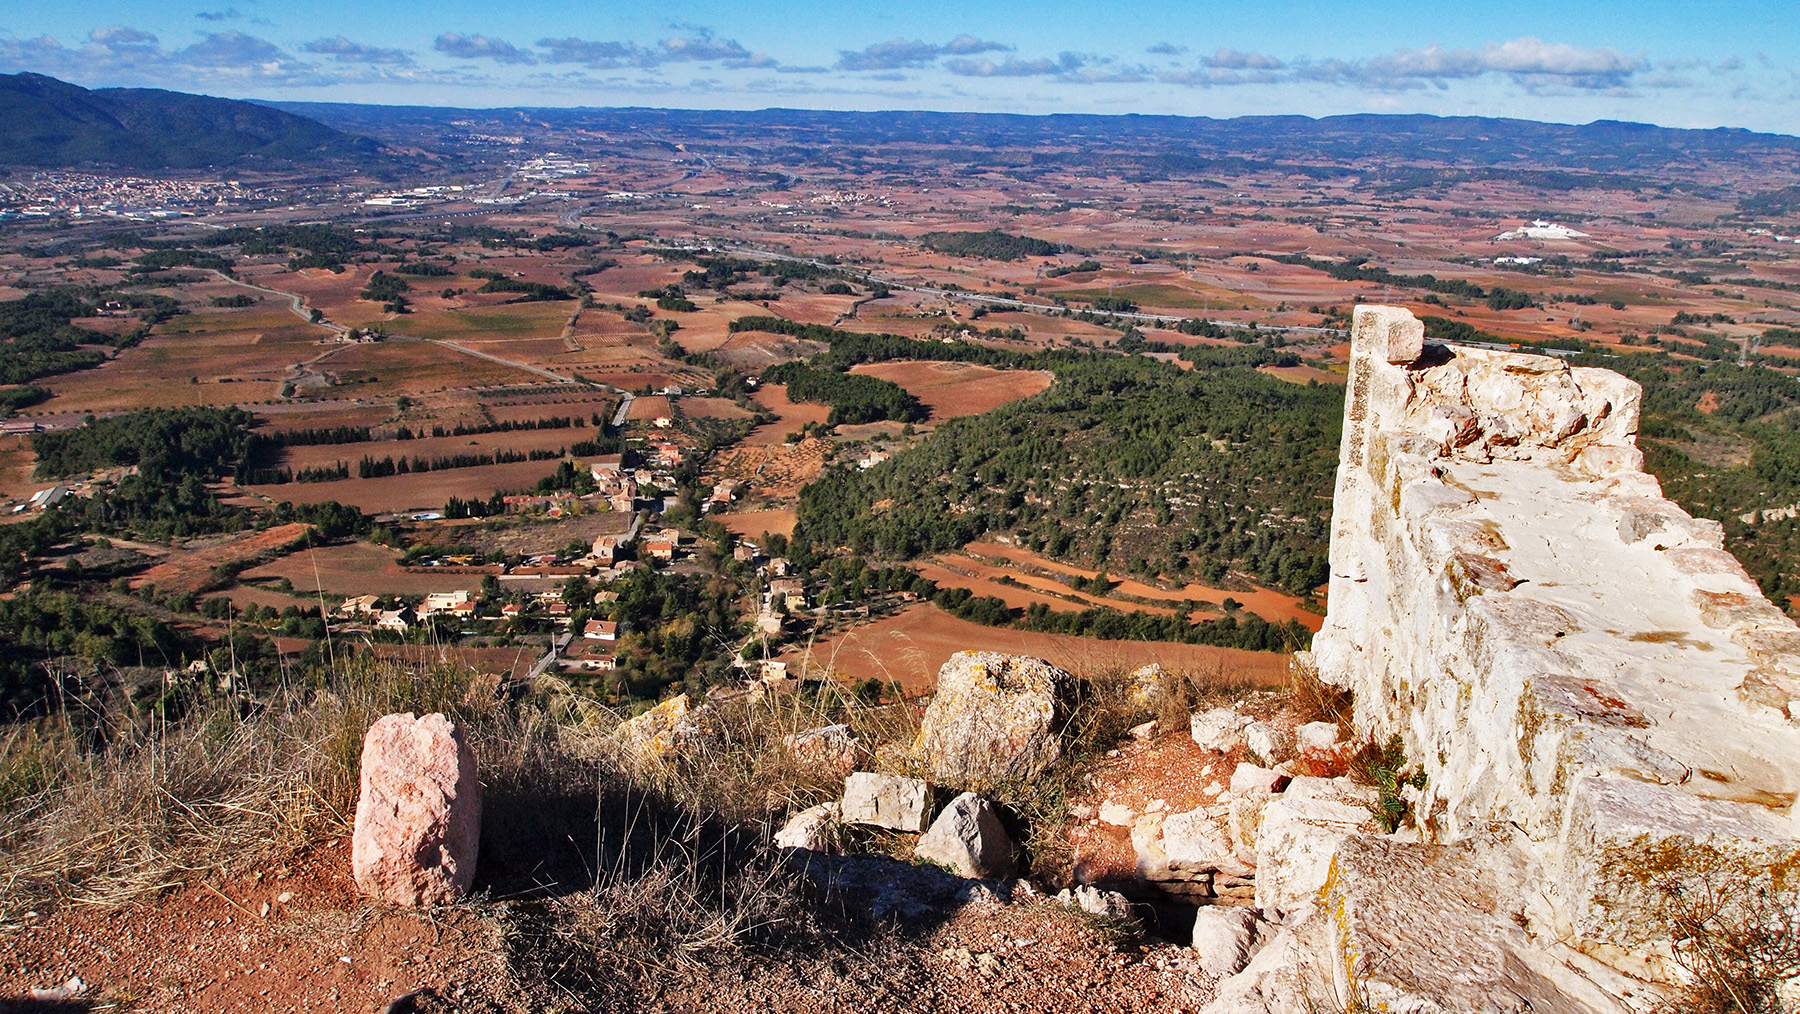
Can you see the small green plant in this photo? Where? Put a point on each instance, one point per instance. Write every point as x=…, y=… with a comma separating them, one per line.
x=1385, y=767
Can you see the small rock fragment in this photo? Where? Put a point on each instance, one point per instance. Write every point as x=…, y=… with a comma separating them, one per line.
x=1252, y=778
x=968, y=838
x=1116, y=814
x=1315, y=737
x=890, y=801
x=1222, y=939
x=833, y=746
x=1100, y=902
x=1273, y=745
x=812, y=829
x=1219, y=730
x=1146, y=684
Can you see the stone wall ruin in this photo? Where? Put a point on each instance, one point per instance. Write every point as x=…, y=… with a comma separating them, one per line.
x=1605, y=707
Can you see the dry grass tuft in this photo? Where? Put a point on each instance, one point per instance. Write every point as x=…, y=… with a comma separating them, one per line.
x=1314, y=700
x=1738, y=947
x=104, y=806
x=1180, y=694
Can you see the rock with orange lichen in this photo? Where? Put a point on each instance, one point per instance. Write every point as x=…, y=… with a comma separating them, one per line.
x=418, y=816
x=992, y=722
x=658, y=734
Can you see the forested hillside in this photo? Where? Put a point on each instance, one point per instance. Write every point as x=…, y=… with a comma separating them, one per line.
x=1125, y=463
x=46, y=122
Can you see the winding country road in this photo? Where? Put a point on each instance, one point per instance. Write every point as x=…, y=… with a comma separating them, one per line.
x=296, y=301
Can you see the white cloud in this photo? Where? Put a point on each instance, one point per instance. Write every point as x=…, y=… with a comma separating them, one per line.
x=701, y=46
x=228, y=60
x=899, y=54
x=481, y=47
x=1012, y=66
x=1528, y=61
x=345, y=51
x=1226, y=58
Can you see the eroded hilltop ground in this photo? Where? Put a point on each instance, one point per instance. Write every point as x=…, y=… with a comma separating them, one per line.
x=622, y=866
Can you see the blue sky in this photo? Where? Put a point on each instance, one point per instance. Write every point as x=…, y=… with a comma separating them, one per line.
x=1678, y=64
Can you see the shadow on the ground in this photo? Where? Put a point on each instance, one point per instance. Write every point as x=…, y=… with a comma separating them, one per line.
x=27, y=1005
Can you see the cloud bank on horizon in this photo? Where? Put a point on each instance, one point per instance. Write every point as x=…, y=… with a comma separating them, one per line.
x=1677, y=78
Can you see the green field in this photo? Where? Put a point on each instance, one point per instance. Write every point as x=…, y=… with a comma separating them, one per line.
x=522, y=320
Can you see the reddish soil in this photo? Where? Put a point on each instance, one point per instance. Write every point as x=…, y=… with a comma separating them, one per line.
x=325, y=455
x=209, y=358
x=1271, y=605
x=208, y=947
x=955, y=571
x=190, y=568
x=355, y=568
x=1303, y=374
x=794, y=415
x=951, y=390
x=650, y=407
x=913, y=645
x=755, y=525
x=391, y=368
x=777, y=471
x=414, y=491
x=712, y=408
x=1165, y=774
x=211, y=948
x=16, y=462
x=322, y=415
x=579, y=405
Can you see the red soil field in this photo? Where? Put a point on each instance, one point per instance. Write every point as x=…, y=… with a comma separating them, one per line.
x=754, y=525
x=321, y=415
x=417, y=491
x=794, y=415
x=356, y=568
x=650, y=407
x=1302, y=374
x=1270, y=605
x=387, y=369
x=911, y=646
x=951, y=390
x=712, y=408
x=811, y=308
x=212, y=358
x=772, y=470
x=323, y=455
x=576, y=404
x=188, y=569
x=16, y=463
x=954, y=571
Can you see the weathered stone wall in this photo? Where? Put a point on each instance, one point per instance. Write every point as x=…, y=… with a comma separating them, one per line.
x=1569, y=656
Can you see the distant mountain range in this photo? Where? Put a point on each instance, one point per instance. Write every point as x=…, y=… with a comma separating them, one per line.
x=1156, y=144
x=47, y=123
